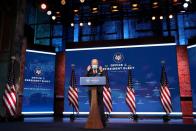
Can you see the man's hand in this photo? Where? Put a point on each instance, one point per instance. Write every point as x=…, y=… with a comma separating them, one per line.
x=100, y=68
x=88, y=68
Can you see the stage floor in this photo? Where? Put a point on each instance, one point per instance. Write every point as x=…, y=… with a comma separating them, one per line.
x=48, y=124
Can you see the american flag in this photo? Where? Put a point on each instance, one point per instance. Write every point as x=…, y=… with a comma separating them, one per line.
x=107, y=97
x=165, y=95
x=130, y=94
x=73, y=92
x=9, y=96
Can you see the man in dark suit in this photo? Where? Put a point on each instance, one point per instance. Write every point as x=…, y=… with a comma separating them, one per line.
x=95, y=70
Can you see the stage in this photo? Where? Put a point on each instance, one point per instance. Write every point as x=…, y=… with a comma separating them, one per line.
x=48, y=123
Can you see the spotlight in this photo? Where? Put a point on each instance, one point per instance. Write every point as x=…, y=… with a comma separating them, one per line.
x=72, y=24
x=82, y=1
x=53, y=17
x=155, y=4
x=75, y=10
x=161, y=17
x=95, y=10
x=170, y=16
x=115, y=8
x=49, y=12
x=135, y=6
x=58, y=12
x=187, y=0
x=185, y=5
x=63, y=2
x=153, y=18
x=43, y=6
x=81, y=24
x=89, y=23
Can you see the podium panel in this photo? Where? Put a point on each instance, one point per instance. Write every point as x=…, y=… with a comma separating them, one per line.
x=94, y=118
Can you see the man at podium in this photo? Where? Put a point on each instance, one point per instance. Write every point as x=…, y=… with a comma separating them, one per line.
x=95, y=70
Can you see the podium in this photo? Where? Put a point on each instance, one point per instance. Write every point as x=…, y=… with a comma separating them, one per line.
x=94, y=118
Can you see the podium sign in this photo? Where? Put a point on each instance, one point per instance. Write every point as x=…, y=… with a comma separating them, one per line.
x=89, y=81
x=94, y=118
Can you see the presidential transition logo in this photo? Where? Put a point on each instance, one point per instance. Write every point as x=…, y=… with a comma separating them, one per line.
x=118, y=57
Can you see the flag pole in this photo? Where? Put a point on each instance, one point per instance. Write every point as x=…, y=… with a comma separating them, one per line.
x=72, y=116
x=166, y=117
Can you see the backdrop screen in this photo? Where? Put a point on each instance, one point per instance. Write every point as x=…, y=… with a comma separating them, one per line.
x=192, y=61
x=146, y=65
x=38, y=94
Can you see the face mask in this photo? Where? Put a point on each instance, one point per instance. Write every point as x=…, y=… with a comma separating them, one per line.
x=94, y=67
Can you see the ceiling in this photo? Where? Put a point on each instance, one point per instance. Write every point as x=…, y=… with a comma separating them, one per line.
x=100, y=10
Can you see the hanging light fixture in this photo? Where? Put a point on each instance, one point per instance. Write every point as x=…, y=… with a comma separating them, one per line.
x=43, y=6
x=153, y=18
x=170, y=16
x=53, y=17
x=72, y=24
x=161, y=17
x=82, y=1
x=155, y=4
x=89, y=23
x=81, y=23
x=115, y=7
x=49, y=12
x=63, y=2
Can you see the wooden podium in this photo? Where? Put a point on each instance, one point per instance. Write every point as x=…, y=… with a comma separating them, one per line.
x=94, y=118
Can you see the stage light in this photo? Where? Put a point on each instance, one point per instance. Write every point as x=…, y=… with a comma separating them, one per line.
x=82, y=1
x=53, y=17
x=182, y=11
x=81, y=24
x=134, y=5
x=72, y=24
x=155, y=4
x=187, y=0
x=95, y=10
x=153, y=18
x=43, y=6
x=57, y=12
x=170, y=16
x=63, y=2
x=161, y=17
x=75, y=11
x=185, y=5
x=89, y=23
x=115, y=8
x=49, y=12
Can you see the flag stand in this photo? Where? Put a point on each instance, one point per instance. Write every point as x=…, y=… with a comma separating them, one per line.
x=166, y=118
x=107, y=116
x=72, y=116
x=134, y=117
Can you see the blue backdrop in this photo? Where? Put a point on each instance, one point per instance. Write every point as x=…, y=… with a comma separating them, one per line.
x=146, y=65
x=192, y=61
x=38, y=95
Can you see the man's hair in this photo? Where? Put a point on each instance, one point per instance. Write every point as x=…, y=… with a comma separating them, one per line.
x=95, y=59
